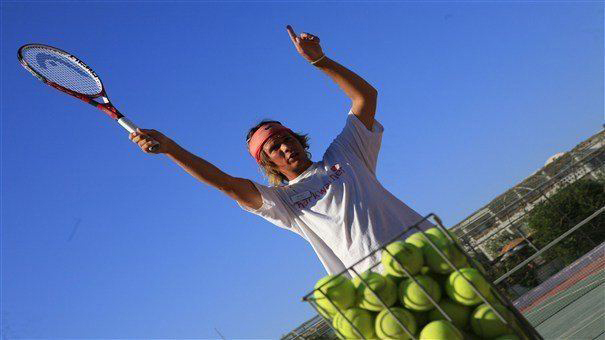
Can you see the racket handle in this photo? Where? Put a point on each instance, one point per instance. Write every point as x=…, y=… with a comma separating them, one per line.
x=132, y=127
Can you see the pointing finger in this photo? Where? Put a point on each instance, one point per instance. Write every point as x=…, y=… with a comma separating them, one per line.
x=293, y=36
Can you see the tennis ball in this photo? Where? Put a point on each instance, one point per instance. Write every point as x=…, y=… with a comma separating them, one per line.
x=407, y=254
x=354, y=323
x=440, y=234
x=436, y=262
x=383, y=287
x=412, y=297
x=334, y=291
x=324, y=312
x=425, y=270
x=441, y=330
x=387, y=326
x=461, y=292
x=486, y=323
x=395, y=279
x=431, y=257
x=458, y=313
x=417, y=239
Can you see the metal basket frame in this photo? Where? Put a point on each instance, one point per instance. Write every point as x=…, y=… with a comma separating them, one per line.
x=516, y=321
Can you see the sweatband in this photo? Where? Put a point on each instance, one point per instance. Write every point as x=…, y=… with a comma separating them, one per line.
x=260, y=136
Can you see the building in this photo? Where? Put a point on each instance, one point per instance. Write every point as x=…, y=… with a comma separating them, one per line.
x=505, y=213
x=316, y=328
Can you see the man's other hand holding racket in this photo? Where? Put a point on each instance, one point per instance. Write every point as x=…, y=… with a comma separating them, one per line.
x=145, y=138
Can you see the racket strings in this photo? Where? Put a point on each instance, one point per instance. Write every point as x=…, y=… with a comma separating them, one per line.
x=62, y=69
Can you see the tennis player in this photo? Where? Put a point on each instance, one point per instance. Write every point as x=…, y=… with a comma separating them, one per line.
x=337, y=204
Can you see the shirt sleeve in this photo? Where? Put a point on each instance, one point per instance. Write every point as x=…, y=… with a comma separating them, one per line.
x=357, y=141
x=275, y=208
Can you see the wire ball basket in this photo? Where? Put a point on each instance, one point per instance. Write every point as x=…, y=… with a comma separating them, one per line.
x=511, y=318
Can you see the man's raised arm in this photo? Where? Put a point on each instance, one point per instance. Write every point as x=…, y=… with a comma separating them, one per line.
x=363, y=95
x=240, y=189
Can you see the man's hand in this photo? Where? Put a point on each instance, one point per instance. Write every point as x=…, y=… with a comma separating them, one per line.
x=307, y=45
x=145, y=138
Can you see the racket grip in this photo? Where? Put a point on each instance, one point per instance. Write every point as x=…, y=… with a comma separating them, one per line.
x=132, y=127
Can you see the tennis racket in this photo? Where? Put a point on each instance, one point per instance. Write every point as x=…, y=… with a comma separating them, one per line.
x=70, y=75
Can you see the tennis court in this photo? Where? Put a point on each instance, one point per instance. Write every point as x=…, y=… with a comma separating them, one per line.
x=572, y=304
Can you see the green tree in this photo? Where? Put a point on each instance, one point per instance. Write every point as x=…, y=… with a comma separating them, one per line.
x=562, y=211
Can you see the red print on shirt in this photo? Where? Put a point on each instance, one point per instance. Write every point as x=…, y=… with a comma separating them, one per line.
x=337, y=171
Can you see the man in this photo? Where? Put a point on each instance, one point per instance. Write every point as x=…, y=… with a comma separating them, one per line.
x=336, y=204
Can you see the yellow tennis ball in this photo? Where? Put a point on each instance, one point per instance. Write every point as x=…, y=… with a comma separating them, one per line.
x=425, y=270
x=399, y=255
x=387, y=326
x=323, y=312
x=459, y=290
x=377, y=285
x=432, y=258
x=395, y=279
x=354, y=323
x=440, y=330
x=436, y=261
x=334, y=291
x=412, y=296
x=417, y=239
x=486, y=323
x=440, y=234
x=458, y=313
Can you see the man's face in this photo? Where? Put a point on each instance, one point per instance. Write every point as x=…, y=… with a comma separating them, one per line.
x=286, y=152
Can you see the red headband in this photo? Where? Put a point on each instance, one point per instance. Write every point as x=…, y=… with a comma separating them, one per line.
x=260, y=136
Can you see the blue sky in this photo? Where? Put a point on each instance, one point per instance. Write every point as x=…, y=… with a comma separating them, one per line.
x=100, y=240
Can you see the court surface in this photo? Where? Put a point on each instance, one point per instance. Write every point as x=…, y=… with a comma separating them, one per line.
x=578, y=312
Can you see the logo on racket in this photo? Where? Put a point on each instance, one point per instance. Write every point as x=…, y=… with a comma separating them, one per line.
x=43, y=58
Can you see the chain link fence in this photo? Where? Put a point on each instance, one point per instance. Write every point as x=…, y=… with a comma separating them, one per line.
x=549, y=226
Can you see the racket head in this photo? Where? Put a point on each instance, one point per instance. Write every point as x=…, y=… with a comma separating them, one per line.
x=60, y=69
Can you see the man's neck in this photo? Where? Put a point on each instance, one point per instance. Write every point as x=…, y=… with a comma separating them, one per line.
x=295, y=173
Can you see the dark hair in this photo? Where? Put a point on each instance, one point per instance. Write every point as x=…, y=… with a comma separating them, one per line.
x=269, y=168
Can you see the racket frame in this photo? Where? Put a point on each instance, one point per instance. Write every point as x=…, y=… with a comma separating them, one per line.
x=106, y=106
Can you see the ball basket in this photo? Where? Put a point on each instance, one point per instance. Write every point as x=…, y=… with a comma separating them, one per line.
x=510, y=317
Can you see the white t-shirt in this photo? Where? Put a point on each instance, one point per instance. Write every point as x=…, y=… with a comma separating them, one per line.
x=338, y=205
